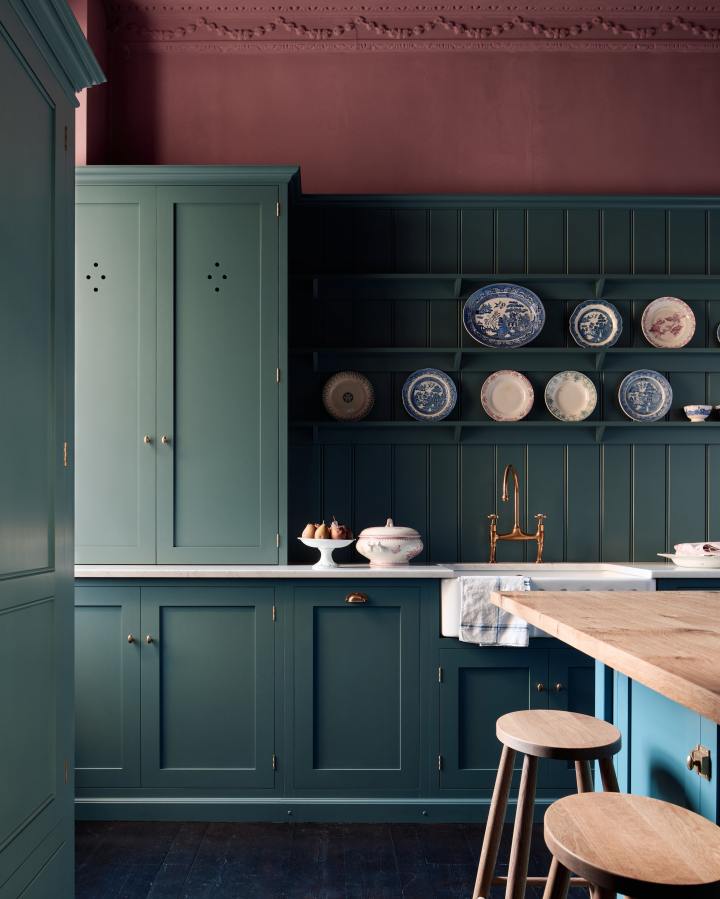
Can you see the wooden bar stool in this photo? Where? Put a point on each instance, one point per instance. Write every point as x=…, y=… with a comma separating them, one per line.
x=539, y=734
x=639, y=847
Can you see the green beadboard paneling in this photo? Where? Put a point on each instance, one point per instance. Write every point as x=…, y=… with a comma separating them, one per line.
x=583, y=241
x=546, y=240
x=617, y=498
x=687, y=241
x=617, y=241
x=713, y=492
x=478, y=240
x=616, y=501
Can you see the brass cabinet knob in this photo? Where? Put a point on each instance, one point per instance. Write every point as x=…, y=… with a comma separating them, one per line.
x=147, y=440
x=353, y=598
x=559, y=687
x=149, y=639
x=540, y=688
x=165, y=440
x=131, y=638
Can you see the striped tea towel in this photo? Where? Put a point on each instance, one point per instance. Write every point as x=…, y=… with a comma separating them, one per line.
x=484, y=623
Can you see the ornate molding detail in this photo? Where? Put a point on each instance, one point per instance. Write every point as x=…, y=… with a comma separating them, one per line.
x=222, y=29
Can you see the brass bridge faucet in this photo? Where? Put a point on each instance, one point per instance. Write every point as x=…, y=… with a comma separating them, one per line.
x=517, y=532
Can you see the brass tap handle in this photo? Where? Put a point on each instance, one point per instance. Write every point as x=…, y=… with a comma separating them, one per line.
x=355, y=598
x=131, y=639
x=541, y=517
x=493, y=516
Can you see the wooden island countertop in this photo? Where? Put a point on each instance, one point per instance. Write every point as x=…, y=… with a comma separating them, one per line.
x=669, y=641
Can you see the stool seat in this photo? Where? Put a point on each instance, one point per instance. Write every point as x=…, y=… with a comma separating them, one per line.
x=549, y=734
x=635, y=846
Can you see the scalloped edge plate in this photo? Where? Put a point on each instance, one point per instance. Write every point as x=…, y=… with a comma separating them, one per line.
x=602, y=306
x=570, y=396
x=438, y=377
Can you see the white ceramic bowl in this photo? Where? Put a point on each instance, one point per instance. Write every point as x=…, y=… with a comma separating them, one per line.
x=326, y=548
x=697, y=411
x=707, y=560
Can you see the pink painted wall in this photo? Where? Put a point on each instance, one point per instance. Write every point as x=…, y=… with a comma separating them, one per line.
x=583, y=118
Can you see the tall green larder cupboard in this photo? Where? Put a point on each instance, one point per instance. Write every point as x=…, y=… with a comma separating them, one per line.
x=181, y=342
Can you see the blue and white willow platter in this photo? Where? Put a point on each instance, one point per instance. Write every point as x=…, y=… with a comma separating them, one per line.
x=429, y=394
x=645, y=395
x=503, y=316
x=595, y=323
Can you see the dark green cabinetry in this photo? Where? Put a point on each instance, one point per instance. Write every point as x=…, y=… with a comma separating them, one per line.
x=107, y=686
x=181, y=336
x=480, y=685
x=256, y=699
x=356, y=683
x=208, y=687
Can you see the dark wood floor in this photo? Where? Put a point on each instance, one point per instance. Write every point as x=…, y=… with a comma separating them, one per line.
x=129, y=860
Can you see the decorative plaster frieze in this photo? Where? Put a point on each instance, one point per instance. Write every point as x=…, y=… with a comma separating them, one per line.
x=347, y=29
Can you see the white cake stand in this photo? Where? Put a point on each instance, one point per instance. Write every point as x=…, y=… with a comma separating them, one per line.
x=326, y=548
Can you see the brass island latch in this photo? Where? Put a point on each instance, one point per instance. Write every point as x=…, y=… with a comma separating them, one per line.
x=699, y=760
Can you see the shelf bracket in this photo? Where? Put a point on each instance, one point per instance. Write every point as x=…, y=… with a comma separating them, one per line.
x=599, y=433
x=457, y=431
x=457, y=287
x=316, y=361
x=599, y=360
x=599, y=287
x=315, y=288
x=457, y=360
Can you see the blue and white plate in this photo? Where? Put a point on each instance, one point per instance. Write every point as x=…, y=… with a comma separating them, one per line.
x=429, y=394
x=595, y=323
x=645, y=395
x=503, y=316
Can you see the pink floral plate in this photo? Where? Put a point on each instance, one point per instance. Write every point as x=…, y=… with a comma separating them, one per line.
x=507, y=396
x=668, y=323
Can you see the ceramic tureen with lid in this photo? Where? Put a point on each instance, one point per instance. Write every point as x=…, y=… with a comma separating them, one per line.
x=389, y=546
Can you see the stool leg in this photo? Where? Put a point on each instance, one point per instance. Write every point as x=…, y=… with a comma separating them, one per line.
x=609, y=778
x=583, y=775
x=558, y=881
x=494, y=826
x=522, y=832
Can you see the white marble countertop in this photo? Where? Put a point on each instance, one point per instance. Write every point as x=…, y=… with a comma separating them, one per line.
x=260, y=571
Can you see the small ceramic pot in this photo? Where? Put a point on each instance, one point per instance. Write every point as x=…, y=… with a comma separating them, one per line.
x=697, y=412
x=389, y=546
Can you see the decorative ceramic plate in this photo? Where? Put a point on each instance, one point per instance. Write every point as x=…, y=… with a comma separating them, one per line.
x=507, y=396
x=570, y=396
x=668, y=323
x=348, y=396
x=503, y=316
x=429, y=394
x=645, y=395
x=717, y=333
x=595, y=323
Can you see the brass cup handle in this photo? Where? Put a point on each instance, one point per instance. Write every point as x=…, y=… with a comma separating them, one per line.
x=540, y=687
x=131, y=638
x=149, y=639
x=165, y=440
x=147, y=440
x=355, y=598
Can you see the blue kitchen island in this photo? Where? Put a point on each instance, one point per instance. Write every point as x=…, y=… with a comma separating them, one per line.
x=657, y=678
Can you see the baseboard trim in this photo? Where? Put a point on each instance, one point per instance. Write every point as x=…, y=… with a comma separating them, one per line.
x=337, y=810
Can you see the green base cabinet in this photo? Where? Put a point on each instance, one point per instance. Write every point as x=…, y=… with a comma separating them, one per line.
x=181, y=378
x=356, y=689
x=477, y=686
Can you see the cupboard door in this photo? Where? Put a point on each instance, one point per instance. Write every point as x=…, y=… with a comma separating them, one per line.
x=479, y=684
x=115, y=349
x=107, y=686
x=218, y=350
x=357, y=689
x=208, y=687
x=571, y=688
